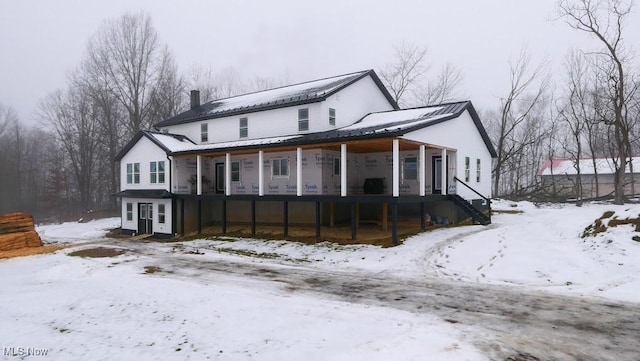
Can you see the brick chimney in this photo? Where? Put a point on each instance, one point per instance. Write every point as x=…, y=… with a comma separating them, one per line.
x=195, y=99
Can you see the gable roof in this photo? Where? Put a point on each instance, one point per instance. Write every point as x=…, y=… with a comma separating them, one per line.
x=166, y=141
x=286, y=96
x=563, y=166
x=374, y=125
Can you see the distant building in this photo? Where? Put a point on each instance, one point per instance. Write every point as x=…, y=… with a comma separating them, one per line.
x=307, y=153
x=560, y=176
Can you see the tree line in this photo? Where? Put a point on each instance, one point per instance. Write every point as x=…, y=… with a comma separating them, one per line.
x=128, y=79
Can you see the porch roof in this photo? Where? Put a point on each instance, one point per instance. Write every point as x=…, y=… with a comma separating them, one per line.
x=374, y=128
x=143, y=193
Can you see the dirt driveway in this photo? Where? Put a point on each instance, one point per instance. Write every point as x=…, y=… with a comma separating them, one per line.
x=507, y=323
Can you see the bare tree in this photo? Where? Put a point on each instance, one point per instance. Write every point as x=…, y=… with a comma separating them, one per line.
x=70, y=114
x=137, y=68
x=523, y=101
x=405, y=71
x=443, y=89
x=604, y=20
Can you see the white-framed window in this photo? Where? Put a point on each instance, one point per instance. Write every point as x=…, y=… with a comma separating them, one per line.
x=280, y=167
x=204, y=132
x=161, y=213
x=336, y=166
x=332, y=116
x=133, y=173
x=244, y=127
x=235, y=171
x=478, y=170
x=467, y=169
x=410, y=168
x=129, y=211
x=303, y=119
x=156, y=172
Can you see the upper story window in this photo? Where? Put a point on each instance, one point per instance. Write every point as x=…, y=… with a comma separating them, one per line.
x=280, y=168
x=244, y=127
x=410, y=168
x=235, y=171
x=156, y=172
x=204, y=132
x=478, y=170
x=332, y=116
x=467, y=169
x=303, y=119
x=133, y=173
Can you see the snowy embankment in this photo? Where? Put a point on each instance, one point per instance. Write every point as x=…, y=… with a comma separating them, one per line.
x=118, y=308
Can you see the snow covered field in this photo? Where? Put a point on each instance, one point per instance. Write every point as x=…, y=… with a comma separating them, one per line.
x=127, y=308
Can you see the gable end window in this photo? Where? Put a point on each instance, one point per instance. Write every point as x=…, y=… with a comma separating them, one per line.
x=332, y=116
x=410, y=168
x=467, y=169
x=478, y=170
x=204, y=132
x=303, y=119
x=244, y=127
x=133, y=173
x=156, y=172
x=280, y=168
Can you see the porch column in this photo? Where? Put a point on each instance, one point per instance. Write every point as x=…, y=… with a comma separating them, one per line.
x=199, y=175
x=227, y=174
x=396, y=167
x=343, y=170
x=444, y=172
x=260, y=173
x=421, y=169
x=299, y=171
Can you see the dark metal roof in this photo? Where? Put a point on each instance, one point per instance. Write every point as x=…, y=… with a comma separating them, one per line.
x=275, y=98
x=441, y=113
x=143, y=193
x=149, y=135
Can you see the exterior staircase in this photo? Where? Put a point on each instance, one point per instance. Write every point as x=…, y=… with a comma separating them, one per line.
x=478, y=216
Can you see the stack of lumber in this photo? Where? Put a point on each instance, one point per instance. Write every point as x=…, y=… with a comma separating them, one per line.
x=17, y=231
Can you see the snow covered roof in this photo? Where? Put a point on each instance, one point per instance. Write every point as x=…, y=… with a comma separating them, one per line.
x=291, y=95
x=168, y=142
x=568, y=166
x=374, y=125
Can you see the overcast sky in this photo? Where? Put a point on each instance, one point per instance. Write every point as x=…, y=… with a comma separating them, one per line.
x=42, y=40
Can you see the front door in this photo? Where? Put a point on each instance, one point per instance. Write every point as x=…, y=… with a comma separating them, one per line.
x=436, y=171
x=220, y=177
x=145, y=218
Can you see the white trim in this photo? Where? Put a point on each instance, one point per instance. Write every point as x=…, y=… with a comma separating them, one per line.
x=199, y=174
x=444, y=172
x=299, y=171
x=396, y=167
x=343, y=170
x=261, y=173
x=421, y=169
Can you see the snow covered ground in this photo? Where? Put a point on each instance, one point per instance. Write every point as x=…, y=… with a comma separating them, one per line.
x=115, y=308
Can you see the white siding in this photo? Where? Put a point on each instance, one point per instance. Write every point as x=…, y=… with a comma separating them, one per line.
x=354, y=102
x=462, y=135
x=157, y=226
x=351, y=104
x=144, y=152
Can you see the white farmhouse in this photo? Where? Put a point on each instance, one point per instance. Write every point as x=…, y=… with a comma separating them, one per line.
x=309, y=153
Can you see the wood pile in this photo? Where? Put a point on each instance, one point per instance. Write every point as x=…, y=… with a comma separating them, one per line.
x=18, y=231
